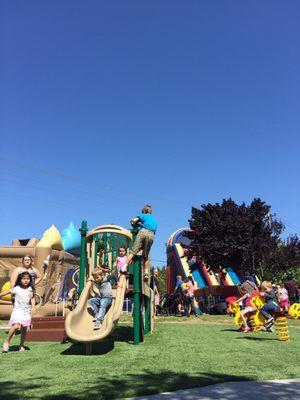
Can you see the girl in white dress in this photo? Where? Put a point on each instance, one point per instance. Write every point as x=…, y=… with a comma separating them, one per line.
x=23, y=305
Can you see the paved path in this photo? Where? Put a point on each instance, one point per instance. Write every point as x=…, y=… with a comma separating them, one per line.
x=288, y=389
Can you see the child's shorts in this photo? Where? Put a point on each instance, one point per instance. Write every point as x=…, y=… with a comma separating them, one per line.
x=143, y=241
x=248, y=309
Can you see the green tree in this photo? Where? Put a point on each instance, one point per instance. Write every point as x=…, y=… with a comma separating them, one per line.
x=247, y=238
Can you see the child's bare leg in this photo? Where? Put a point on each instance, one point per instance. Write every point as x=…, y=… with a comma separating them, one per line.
x=11, y=333
x=23, y=333
x=129, y=259
x=146, y=267
x=244, y=320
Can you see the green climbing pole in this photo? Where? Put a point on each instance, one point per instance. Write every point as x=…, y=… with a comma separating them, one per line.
x=83, y=255
x=96, y=239
x=147, y=315
x=137, y=291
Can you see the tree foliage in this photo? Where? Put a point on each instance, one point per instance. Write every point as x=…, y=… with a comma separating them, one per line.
x=245, y=237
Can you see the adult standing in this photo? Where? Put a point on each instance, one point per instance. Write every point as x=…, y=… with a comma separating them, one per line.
x=178, y=290
x=292, y=289
x=194, y=303
x=155, y=287
x=27, y=265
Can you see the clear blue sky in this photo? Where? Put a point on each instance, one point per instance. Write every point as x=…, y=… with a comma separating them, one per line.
x=106, y=106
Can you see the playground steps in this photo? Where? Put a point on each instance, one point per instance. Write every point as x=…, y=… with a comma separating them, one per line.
x=47, y=329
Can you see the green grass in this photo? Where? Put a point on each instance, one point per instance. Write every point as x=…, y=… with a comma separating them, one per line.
x=178, y=355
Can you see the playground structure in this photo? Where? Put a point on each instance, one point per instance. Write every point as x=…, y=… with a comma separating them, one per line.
x=52, y=257
x=210, y=286
x=100, y=246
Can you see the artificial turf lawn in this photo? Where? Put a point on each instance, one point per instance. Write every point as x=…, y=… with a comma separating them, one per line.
x=178, y=355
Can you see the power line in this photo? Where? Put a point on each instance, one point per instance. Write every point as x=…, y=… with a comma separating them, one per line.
x=86, y=182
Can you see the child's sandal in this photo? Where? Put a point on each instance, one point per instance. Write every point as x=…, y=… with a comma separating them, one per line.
x=246, y=330
x=5, y=347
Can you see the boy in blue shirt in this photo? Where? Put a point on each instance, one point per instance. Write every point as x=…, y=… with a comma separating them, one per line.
x=144, y=238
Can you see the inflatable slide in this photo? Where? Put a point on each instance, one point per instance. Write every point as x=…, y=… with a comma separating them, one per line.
x=178, y=264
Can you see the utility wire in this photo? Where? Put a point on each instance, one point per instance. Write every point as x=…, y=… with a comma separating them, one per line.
x=86, y=182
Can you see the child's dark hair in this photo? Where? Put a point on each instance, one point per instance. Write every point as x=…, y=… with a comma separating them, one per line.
x=122, y=247
x=242, y=290
x=21, y=276
x=147, y=209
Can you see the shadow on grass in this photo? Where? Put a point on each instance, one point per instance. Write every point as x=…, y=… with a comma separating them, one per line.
x=256, y=338
x=11, y=390
x=147, y=383
x=121, y=334
x=126, y=385
x=230, y=330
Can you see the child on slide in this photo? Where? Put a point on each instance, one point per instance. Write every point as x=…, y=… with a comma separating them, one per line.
x=144, y=238
x=246, y=307
x=100, y=303
x=23, y=305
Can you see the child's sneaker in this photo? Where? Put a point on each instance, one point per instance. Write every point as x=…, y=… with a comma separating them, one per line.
x=5, y=347
x=91, y=309
x=97, y=325
x=270, y=329
x=269, y=321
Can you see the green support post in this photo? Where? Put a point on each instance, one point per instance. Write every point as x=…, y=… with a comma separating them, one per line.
x=147, y=315
x=104, y=240
x=136, y=301
x=83, y=256
x=96, y=238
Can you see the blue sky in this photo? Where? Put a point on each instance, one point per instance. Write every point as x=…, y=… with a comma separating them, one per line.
x=106, y=106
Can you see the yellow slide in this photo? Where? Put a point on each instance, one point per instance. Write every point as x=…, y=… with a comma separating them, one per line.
x=79, y=323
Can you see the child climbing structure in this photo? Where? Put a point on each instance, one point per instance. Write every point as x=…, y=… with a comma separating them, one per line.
x=54, y=258
x=100, y=247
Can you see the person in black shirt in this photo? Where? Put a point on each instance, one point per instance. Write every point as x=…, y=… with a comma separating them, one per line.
x=292, y=290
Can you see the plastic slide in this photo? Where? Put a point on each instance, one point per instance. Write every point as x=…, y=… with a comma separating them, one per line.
x=79, y=323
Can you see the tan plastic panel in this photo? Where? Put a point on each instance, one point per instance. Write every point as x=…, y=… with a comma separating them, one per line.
x=109, y=229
